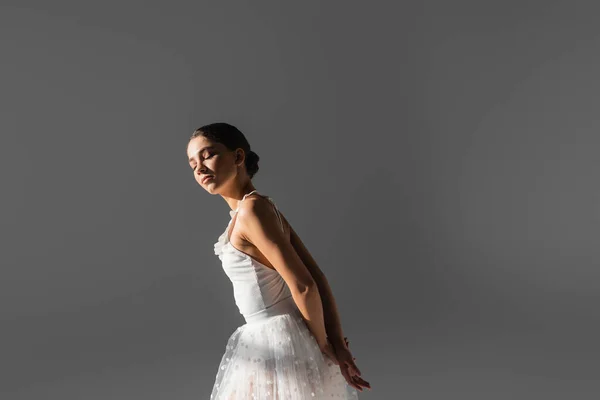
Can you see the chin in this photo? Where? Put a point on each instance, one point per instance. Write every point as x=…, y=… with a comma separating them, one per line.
x=210, y=188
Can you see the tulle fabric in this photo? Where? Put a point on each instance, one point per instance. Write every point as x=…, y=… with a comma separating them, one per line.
x=277, y=358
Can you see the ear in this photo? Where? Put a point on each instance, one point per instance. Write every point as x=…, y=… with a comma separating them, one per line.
x=239, y=156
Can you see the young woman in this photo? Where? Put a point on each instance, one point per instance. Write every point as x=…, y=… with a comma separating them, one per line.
x=292, y=346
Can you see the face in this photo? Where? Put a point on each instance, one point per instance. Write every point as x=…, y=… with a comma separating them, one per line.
x=208, y=158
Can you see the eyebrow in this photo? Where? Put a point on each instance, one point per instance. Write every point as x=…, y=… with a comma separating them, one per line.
x=201, y=150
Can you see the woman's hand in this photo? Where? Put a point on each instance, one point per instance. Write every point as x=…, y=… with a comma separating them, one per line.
x=348, y=367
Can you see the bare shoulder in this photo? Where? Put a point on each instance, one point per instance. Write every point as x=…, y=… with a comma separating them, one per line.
x=261, y=227
x=263, y=210
x=257, y=213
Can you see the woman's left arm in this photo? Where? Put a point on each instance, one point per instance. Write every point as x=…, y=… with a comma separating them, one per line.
x=333, y=325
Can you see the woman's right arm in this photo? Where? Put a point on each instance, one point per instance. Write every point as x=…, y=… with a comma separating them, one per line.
x=260, y=227
x=333, y=324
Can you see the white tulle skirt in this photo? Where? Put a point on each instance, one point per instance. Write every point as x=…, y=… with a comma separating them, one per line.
x=276, y=357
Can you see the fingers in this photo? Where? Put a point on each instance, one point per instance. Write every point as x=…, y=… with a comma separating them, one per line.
x=361, y=383
x=350, y=362
x=352, y=373
x=355, y=381
x=349, y=379
x=353, y=365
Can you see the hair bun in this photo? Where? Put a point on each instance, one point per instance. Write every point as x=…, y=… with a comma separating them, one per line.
x=252, y=163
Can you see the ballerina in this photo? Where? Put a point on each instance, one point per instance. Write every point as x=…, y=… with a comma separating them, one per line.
x=292, y=345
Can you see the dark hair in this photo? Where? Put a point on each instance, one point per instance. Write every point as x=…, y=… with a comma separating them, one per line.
x=232, y=138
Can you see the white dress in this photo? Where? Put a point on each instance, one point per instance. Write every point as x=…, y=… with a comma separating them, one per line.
x=273, y=355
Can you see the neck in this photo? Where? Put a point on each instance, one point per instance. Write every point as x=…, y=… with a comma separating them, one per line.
x=237, y=195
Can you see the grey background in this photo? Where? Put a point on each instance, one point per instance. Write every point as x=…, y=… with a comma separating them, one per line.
x=438, y=158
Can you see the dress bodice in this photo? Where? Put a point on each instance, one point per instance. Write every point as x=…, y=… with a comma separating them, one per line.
x=256, y=287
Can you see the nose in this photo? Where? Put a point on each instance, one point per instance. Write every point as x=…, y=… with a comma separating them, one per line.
x=201, y=169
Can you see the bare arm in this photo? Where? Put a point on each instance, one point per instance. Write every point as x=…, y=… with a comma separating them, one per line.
x=260, y=226
x=333, y=324
x=331, y=315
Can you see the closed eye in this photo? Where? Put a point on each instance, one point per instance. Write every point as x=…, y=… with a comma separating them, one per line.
x=209, y=156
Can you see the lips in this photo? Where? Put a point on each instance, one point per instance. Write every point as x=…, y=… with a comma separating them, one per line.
x=204, y=179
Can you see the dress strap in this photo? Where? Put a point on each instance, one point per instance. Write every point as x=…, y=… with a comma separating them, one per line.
x=268, y=198
x=243, y=198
